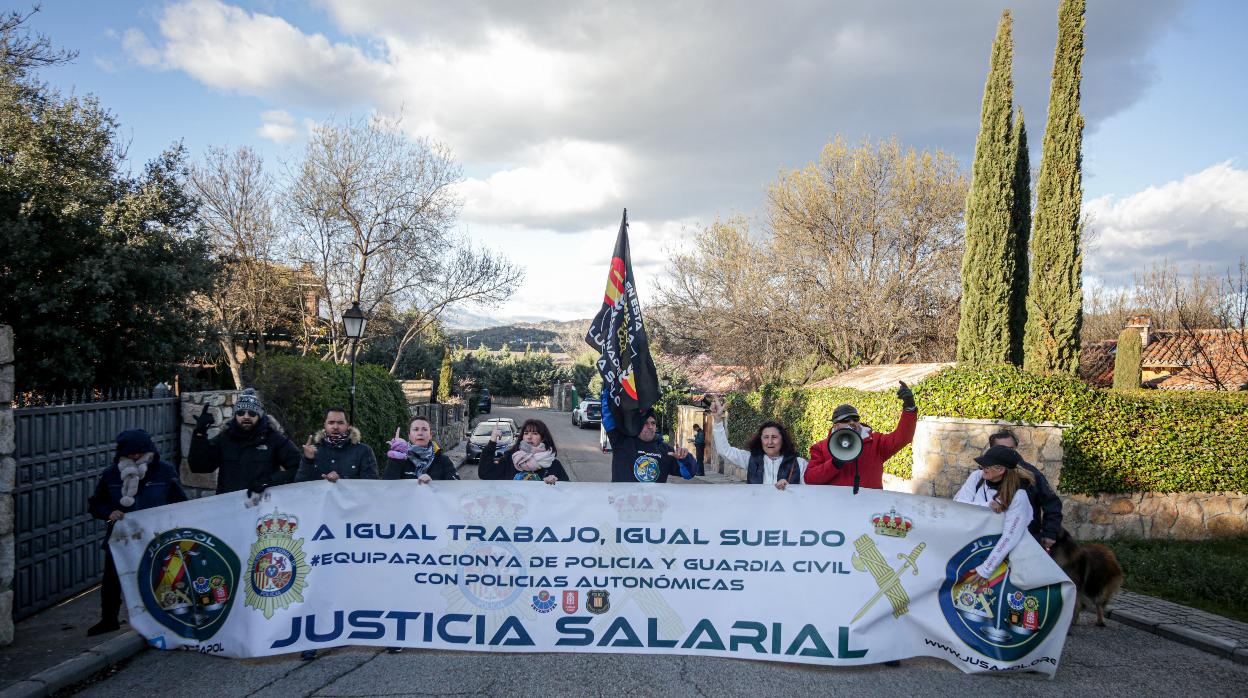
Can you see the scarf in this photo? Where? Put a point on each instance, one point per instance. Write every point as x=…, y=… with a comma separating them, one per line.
x=528, y=459
x=132, y=471
x=337, y=441
x=422, y=456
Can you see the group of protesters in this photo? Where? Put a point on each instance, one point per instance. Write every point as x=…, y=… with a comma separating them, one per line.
x=251, y=453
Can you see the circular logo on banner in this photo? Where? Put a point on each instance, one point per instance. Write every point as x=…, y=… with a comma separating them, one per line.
x=998, y=620
x=188, y=578
x=486, y=589
x=646, y=469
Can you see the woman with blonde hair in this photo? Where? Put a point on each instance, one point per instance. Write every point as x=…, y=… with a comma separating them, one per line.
x=1005, y=488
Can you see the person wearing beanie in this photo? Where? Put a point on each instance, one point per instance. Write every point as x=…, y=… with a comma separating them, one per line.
x=1004, y=487
x=867, y=470
x=335, y=452
x=644, y=457
x=251, y=452
x=137, y=479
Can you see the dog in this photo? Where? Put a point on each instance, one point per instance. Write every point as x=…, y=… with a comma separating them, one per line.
x=1095, y=571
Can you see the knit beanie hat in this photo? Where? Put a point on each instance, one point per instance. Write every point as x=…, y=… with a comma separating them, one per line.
x=249, y=401
x=132, y=441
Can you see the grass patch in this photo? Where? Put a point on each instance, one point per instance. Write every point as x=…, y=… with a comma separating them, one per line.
x=1211, y=575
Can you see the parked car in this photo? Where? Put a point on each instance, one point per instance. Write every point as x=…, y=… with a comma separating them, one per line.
x=484, y=403
x=480, y=436
x=587, y=414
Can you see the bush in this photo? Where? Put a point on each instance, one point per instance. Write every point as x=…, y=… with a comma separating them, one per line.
x=297, y=391
x=1140, y=441
x=527, y=376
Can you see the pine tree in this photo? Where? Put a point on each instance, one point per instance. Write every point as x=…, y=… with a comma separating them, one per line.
x=1127, y=359
x=1055, y=294
x=988, y=261
x=444, y=377
x=1020, y=232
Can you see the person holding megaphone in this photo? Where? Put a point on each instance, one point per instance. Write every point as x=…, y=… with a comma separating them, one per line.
x=853, y=455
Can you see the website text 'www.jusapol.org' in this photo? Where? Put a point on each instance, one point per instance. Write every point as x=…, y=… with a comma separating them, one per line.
x=985, y=664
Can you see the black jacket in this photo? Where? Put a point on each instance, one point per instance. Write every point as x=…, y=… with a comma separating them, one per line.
x=352, y=460
x=404, y=469
x=789, y=470
x=634, y=460
x=1046, y=506
x=262, y=457
x=160, y=486
x=504, y=470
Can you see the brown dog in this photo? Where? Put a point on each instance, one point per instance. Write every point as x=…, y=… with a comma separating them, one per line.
x=1093, y=568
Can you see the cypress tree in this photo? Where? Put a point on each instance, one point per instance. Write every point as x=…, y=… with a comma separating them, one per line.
x=1020, y=232
x=1128, y=360
x=444, y=377
x=988, y=261
x=1055, y=294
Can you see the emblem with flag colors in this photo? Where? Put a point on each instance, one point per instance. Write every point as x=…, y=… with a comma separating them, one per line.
x=629, y=379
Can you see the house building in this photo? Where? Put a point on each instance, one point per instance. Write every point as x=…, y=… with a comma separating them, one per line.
x=1195, y=359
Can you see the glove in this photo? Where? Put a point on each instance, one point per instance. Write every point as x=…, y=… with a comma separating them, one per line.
x=398, y=449
x=256, y=489
x=203, y=421
x=906, y=395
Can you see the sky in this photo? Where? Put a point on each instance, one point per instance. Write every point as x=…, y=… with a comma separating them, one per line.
x=562, y=114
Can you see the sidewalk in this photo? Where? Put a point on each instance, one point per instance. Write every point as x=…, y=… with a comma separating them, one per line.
x=1204, y=631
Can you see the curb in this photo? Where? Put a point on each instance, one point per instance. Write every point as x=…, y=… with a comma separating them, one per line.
x=76, y=669
x=1220, y=646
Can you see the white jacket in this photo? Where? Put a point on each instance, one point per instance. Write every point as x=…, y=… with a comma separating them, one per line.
x=1017, y=518
x=741, y=458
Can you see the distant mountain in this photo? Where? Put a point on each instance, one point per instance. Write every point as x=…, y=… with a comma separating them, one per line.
x=556, y=336
x=463, y=320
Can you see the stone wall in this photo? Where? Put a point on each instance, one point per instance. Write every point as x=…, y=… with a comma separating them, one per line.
x=944, y=452
x=8, y=480
x=221, y=406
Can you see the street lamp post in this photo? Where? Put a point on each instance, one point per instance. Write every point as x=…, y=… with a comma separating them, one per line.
x=353, y=322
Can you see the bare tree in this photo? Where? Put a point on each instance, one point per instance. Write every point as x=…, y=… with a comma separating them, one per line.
x=23, y=51
x=237, y=202
x=371, y=216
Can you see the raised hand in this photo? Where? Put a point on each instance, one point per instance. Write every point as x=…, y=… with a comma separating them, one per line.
x=717, y=408
x=204, y=420
x=906, y=395
x=309, y=450
x=497, y=433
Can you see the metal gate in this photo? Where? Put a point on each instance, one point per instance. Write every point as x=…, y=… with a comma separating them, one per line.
x=61, y=452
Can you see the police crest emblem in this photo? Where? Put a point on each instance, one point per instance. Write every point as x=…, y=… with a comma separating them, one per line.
x=187, y=579
x=598, y=601
x=277, y=573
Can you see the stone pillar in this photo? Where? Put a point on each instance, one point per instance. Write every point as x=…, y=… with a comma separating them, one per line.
x=945, y=449
x=8, y=478
x=221, y=406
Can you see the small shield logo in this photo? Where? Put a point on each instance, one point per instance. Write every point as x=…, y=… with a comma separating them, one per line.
x=598, y=601
x=571, y=600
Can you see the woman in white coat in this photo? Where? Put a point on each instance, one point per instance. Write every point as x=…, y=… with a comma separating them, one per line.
x=770, y=458
x=1002, y=486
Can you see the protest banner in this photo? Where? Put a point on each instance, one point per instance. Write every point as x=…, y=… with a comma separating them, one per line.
x=809, y=574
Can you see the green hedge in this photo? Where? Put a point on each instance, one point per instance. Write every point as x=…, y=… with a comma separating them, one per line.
x=297, y=391
x=1135, y=441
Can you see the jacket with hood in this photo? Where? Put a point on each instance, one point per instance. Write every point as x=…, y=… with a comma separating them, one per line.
x=869, y=465
x=159, y=486
x=503, y=469
x=256, y=459
x=406, y=469
x=352, y=460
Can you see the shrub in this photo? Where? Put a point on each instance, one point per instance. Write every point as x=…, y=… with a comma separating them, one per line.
x=1127, y=360
x=1140, y=441
x=297, y=391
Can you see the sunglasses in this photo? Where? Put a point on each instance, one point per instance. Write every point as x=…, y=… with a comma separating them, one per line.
x=248, y=413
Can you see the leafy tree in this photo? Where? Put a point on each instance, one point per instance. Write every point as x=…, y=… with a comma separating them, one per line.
x=1127, y=360
x=98, y=266
x=989, y=262
x=444, y=377
x=1055, y=294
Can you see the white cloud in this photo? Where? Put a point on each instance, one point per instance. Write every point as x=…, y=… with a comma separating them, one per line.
x=1201, y=219
x=278, y=126
x=231, y=49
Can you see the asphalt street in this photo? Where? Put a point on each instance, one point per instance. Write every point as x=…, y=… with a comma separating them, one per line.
x=1110, y=661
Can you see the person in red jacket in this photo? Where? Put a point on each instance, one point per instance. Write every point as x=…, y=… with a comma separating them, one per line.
x=867, y=470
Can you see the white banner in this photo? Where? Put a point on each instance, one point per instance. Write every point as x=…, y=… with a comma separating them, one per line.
x=811, y=574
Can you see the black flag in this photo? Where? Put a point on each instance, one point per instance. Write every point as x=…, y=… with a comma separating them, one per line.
x=628, y=375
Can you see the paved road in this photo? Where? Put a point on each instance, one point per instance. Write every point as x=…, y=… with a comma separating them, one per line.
x=1117, y=660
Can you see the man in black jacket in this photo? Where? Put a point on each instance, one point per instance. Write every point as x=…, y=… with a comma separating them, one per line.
x=335, y=452
x=251, y=451
x=1046, y=506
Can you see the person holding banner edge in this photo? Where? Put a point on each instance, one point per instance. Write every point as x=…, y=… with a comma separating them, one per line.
x=335, y=452
x=251, y=452
x=1002, y=486
x=770, y=459
x=644, y=457
x=419, y=457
